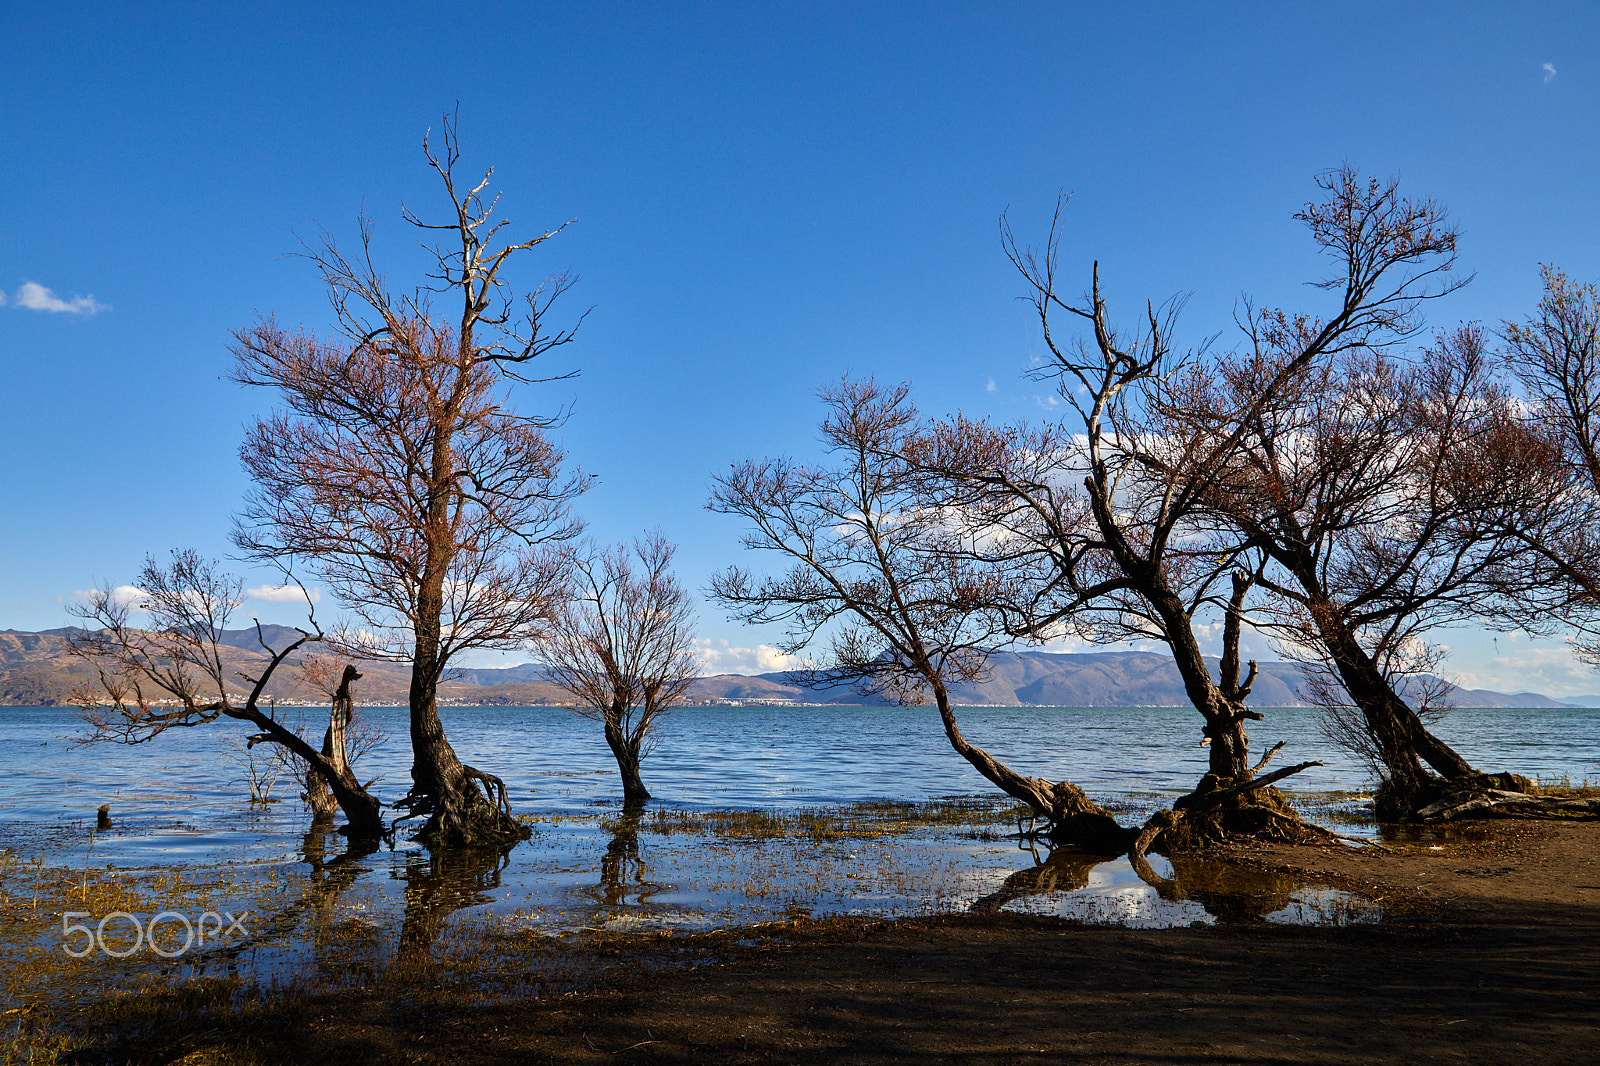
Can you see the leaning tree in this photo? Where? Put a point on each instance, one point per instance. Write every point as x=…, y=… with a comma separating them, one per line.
x=1391, y=494
x=876, y=587
x=176, y=671
x=400, y=473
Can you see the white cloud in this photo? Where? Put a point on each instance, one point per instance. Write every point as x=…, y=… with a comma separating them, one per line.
x=121, y=596
x=721, y=657
x=283, y=594
x=1554, y=671
x=36, y=297
x=1549, y=72
x=990, y=387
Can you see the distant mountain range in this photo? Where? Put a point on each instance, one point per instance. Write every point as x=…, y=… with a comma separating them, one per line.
x=1091, y=679
x=35, y=669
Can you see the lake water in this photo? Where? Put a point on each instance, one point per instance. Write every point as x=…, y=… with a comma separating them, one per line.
x=179, y=801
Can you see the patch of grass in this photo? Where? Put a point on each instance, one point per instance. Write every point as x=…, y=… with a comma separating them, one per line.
x=1562, y=786
x=48, y=992
x=856, y=821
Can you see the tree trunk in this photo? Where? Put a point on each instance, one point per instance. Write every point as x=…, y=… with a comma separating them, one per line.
x=1400, y=736
x=1075, y=818
x=318, y=796
x=443, y=787
x=1222, y=707
x=362, y=810
x=626, y=750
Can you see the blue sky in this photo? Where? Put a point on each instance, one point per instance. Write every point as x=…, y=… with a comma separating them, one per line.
x=765, y=196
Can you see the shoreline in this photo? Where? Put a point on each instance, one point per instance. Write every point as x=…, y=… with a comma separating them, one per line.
x=1488, y=955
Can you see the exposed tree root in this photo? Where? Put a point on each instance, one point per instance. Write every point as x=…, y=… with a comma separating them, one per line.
x=466, y=816
x=1219, y=812
x=1501, y=795
x=1079, y=821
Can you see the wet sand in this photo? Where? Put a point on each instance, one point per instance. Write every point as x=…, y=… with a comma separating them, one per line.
x=1491, y=955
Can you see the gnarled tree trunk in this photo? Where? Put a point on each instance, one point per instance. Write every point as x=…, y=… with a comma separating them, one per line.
x=1075, y=818
x=335, y=748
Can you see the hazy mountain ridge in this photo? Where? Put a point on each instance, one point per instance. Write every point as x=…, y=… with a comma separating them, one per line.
x=1086, y=679
x=35, y=669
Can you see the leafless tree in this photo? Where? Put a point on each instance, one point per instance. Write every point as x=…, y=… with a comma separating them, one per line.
x=872, y=579
x=1389, y=495
x=174, y=673
x=623, y=646
x=402, y=476
x=1109, y=507
x=1555, y=355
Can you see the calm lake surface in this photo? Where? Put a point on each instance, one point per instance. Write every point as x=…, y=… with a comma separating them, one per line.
x=182, y=800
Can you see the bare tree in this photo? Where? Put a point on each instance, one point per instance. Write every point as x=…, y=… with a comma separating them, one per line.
x=1109, y=508
x=622, y=646
x=1387, y=493
x=1555, y=355
x=871, y=575
x=402, y=476
x=174, y=672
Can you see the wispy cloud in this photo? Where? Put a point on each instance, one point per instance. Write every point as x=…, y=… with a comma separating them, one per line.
x=283, y=594
x=36, y=297
x=990, y=387
x=1554, y=671
x=1549, y=72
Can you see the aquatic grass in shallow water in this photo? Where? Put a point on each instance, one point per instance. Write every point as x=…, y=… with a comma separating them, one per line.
x=1563, y=786
x=1336, y=809
x=864, y=819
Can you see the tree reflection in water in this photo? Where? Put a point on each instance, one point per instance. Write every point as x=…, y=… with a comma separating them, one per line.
x=441, y=881
x=313, y=910
x=622, y=888
x=1232, y=895
x=1063, y=870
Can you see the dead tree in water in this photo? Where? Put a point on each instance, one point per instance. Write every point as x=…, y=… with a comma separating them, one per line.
x=403, y=477
x=343, y=741
x=622, y=647
x=175, y=674
x=869, y=574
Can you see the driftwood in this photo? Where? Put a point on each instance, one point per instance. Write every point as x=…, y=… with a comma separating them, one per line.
x=1493, y=802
